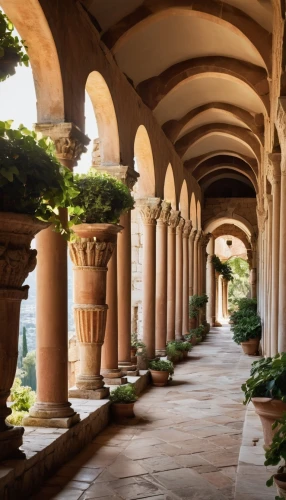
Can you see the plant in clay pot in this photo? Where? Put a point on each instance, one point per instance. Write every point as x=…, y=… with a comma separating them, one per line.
x=276, y=455
x=196, y=304
x=245, y=307
x=136, y=345
x=187, y=347
x=192, y=338
x=173, y=351
x=266, y=388
x=161, y=371
x=123, y=399
x=12, y=50
x=33, y=185
x=247, y=333
x=100, y=201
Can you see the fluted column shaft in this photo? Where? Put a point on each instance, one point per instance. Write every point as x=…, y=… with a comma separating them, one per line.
x=196, y=264
x=171, y=273
x=161, y=279
x=179, y=279
x=211, y=284
x=191, y=261
x=186, y=263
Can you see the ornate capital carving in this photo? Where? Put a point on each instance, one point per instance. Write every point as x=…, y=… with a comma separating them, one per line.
x=274, y=168
x=174, y=219
x=123, y=173
x=198, y=235
x=205, y=239
x=165, y=212
x=193, y=234
x=261, y=218
x=150, y=209
x=180, y=226
x=69, y=140
x=187, y=228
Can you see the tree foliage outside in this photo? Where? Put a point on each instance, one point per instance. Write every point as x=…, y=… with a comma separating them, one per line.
x=22, y=399
x=29, y=370
x=239, y=287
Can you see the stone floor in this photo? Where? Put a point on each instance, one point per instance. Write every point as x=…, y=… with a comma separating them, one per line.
x=183, y=444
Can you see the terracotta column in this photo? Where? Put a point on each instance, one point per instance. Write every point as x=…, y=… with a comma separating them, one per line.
x=150, y=209
x=179, y=280
x=171, y=274
x=186, y=234
x=52, y=408
x=217, y=299
x=191, y=260
x=161, y=279
x=196, y=264
x=224, y=297
x=211, y=284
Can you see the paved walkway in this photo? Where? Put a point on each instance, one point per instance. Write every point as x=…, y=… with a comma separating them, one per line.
x=183, y=444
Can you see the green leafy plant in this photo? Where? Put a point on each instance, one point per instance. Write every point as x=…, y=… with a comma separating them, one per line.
x=32, y=181
x=101, y=197
x=123, y=394
x=197, y=302
x=135, y=342
x=187, y=346
x=22, y=399
x=244, y=308
x=267, y=379
x=172, y=351
x=240, y=285
x=277, y=450
x=222, y=268
x=12, y=49
x=249, y=327
x=162, y=366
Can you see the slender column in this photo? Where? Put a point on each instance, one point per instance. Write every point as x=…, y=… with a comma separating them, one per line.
x=161, y=279
x=186, y=234
x=224, y=297
x=52, y=408
x=217, y=298
x=268, y=310
x=150, y=209
x=191, y=260
x=275, y=179
x=200, y=264
x=211, y=284
x=179, y=280
x=196, y=263
x=171, y=274
x=204, y=242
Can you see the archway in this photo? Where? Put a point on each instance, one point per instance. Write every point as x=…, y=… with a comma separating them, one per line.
x=184, y=201
x=169, y=187
x=193, y=211
x=144, y=163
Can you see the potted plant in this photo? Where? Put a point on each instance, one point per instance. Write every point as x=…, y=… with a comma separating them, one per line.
x=136, y=345
x=123, y=399
x=12, y=50
x=191, y=337
x=161, y=371
x=187, y=347
x=196, y=303
x=245, y=307
x=266, y=388
x=247, y=333
x=173, y=352
x=33, y=184
x=275, y=454
x=100, y=201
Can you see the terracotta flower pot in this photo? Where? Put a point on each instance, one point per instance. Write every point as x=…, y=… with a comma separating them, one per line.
x=193, y=340
x=268, y=410
x=250, y=347
x=185, y=354
x=280, y=481
x=17, y=260
x=159, y=378
x=122, y=410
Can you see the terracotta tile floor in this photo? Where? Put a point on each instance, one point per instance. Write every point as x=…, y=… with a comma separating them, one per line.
x=183, y=444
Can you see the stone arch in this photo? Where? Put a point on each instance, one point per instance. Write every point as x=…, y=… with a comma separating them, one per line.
x=193, y=211
x=144, y=163
x=184, y=201
x=169, y=187
x=31, y=23
x=102, y=102
x=235, y=219
x=196, y=161
x=199, y=216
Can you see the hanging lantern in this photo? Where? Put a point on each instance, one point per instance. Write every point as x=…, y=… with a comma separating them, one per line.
x=229, y=243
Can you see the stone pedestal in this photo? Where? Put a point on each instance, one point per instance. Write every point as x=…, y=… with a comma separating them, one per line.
x=90, y=256
x=17, y=261
x=171, y=273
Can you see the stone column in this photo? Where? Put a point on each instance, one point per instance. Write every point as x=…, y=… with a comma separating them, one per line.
x=52, y=408
x=196, y=264
x=179, y=280
x=217, y=298
x=211, y=284
x=171, y=274
x=161, y=279
x=200, y=278
x=191, y=260
x=150, y=209
x=186, y=234
x=224, y=298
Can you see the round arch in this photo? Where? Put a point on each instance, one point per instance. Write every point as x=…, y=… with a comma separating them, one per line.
x=193, y=211
x=169, y=187
x=144, y=163
x=237, y=220
x=31, y=23
x=184, y=201
x=102, y=102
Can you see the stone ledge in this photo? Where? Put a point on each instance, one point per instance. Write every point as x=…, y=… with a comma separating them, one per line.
x=48, y=448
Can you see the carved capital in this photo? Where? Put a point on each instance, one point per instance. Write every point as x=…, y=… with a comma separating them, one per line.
x=198, y=235
x=193, y=234
x=165, y=212
x=69, y=140
x=261, y=218
x=187, y=228
x=180, y=226
x=150, y=209
x=205, y=239
x=274, y=168
x=123, y=173
x=89, y=253
x=174, y=219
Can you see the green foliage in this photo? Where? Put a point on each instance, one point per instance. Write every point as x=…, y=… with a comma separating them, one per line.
x=101, y=198
x=187, y=346
x=245, y=308
x=246, y=328
x=222, y=268
x=123, y=394
x=172, y=351
x=25, y=345
x=277, y=450
x=197, y=302
x=196, y=332
x=29, y=370
x=22, y=397
x=267, y=379
x=135, y=342
x=12, y=49
x=16, y=417
x=32, y=181
x=240, y=286
x=162, y=366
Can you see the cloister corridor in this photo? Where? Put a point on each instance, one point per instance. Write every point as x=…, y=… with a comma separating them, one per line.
x=190, y=445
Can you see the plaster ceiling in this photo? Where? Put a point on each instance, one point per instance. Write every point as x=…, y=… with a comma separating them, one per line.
x=261, y=12
x=217, y=142
x=211, y=116
x=109, y=12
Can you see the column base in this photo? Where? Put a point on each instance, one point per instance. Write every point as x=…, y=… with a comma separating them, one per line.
x=128, y=368
x=52, y=415
x=10, y=442
x=115, y=381
x=160, y=352
x=217, y=323
x=101, y=393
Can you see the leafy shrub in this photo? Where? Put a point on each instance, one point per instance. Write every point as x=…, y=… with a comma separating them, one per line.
x=245, y=307
x=172, y=351
x=22, y=399
x=101, y=197
x=187, y=346
x=222, y=268
x=277, y=450
x=248, y=327
x=123, y=394
x=32, y=181
x=267, y=379
x=11, y=48
x=197, y=302
x=16, y=417
x=162, y=366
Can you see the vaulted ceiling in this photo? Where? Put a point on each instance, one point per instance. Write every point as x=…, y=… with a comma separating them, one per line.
x=203, y=67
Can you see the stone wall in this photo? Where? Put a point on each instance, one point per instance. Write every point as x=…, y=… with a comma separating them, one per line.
x=230, y=208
